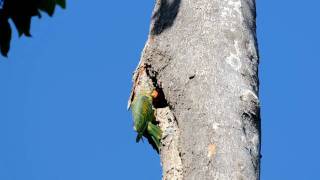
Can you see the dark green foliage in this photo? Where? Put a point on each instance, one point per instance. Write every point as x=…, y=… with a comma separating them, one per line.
x=21, y=12
x=5, y=36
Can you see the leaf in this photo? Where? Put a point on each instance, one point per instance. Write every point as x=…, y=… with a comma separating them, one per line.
x=5, y=36
x=22, y=24
x=61, y=3
x=21, y=12
x=47, y=6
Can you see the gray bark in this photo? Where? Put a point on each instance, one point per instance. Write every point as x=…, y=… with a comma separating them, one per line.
x=203, y=55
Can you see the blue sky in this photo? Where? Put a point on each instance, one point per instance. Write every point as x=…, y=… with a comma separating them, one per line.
x=63, y=94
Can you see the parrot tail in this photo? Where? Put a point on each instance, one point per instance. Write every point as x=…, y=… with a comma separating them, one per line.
x=155, y=133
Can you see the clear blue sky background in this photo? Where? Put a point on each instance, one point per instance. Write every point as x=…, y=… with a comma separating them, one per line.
x=63, y=94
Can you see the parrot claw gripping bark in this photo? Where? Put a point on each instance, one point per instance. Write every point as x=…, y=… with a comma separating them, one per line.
x=143, y=111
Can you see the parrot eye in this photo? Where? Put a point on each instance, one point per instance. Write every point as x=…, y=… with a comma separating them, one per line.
x=154, y=94
x=158, y=99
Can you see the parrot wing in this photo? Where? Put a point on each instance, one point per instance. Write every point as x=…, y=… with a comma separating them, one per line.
x=142, y=113
x=154, y=135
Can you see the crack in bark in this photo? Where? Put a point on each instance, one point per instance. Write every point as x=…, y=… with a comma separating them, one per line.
x=170, y=152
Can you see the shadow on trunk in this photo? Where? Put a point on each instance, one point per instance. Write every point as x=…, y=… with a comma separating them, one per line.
x=165, y=15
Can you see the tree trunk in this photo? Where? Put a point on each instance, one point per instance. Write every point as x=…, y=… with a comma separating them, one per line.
x=203, y=55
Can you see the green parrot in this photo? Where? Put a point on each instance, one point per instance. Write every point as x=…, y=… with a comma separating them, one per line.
x=144, y=118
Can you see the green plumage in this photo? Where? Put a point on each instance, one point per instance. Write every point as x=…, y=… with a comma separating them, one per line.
x=144, y=120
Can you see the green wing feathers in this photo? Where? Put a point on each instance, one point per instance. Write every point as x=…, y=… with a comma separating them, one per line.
x=155, y=133
x=141, y=111
x=143, y=116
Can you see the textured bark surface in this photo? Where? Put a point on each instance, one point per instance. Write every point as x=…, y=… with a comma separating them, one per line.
x=203, y=55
